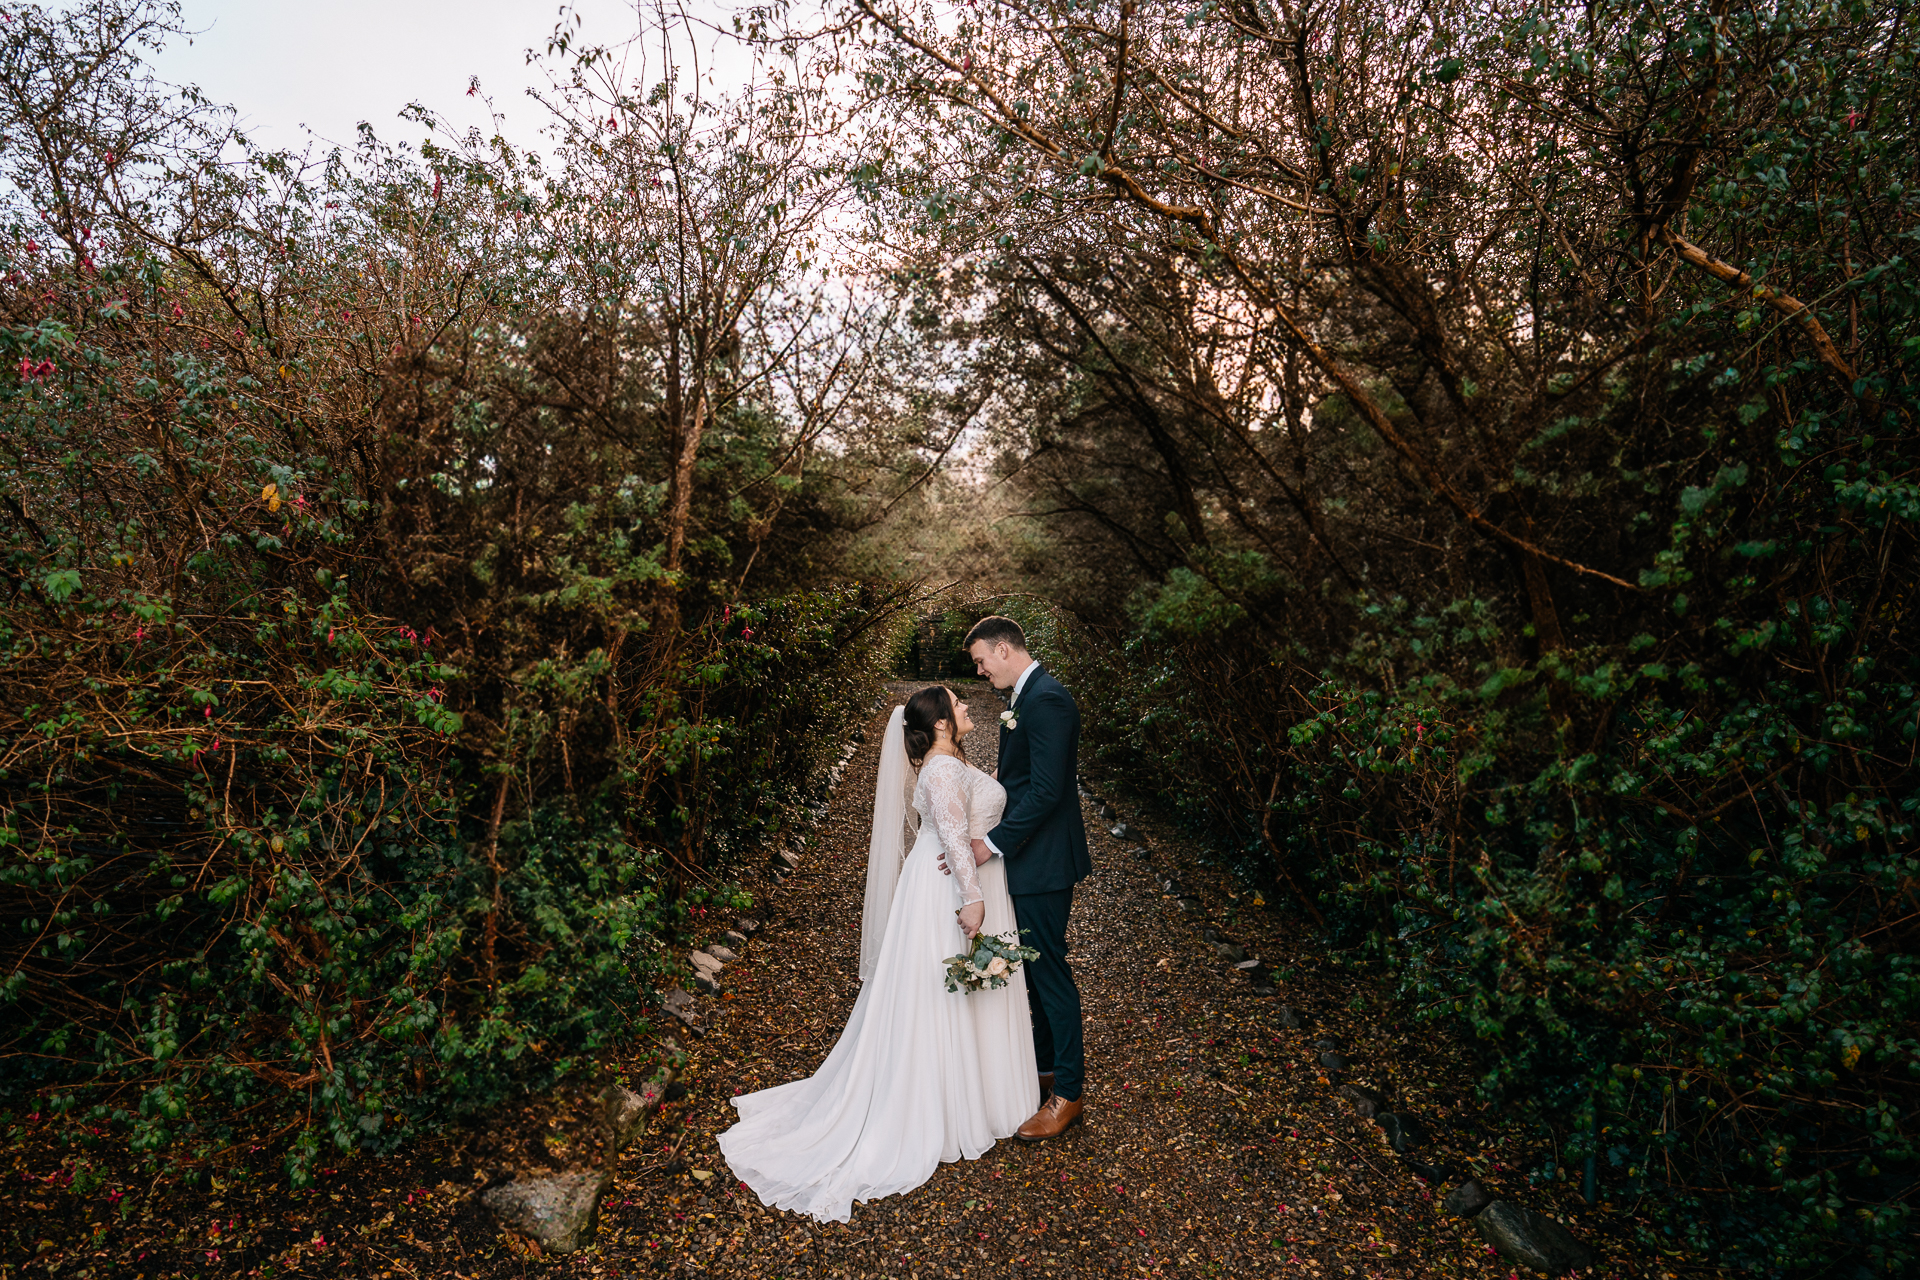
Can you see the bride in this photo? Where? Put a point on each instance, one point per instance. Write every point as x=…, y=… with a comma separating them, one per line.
x=921, y=1075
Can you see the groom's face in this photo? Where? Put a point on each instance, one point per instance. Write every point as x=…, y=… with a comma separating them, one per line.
x=998, y=662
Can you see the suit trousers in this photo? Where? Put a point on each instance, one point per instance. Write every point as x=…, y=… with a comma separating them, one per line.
x=1051, y=993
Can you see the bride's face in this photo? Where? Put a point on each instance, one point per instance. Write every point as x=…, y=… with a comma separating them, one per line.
x=962, y=718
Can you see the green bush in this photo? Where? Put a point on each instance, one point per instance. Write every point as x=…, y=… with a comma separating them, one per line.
x=367, y=737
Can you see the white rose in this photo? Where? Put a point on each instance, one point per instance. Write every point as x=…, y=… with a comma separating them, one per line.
x=997, y=966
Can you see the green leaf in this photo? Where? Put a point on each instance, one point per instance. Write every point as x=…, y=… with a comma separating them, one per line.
x=61, y=584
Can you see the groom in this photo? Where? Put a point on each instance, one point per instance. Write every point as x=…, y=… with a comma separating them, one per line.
x=1043, y=842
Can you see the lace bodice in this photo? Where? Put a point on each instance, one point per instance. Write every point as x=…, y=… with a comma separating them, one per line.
x=963, y=804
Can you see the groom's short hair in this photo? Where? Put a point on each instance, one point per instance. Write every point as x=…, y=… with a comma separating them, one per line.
x=995, y=629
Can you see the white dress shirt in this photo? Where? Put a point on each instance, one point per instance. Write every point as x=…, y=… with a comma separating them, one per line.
x=1021, y=682
x=1013, y=700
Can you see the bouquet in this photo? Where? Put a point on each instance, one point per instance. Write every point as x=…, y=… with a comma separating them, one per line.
x=988, y=965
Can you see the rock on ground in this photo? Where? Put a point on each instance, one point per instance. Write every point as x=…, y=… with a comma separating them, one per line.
x=561, y=1212
x=1466, y=1199
x=1531, y=1239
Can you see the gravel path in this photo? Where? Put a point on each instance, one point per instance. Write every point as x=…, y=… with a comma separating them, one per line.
x=1212, y=1146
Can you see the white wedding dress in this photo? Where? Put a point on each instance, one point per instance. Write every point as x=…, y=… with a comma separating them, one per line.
x=921, y=1075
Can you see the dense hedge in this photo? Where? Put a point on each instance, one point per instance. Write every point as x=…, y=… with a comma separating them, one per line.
x=1670, y=882
x=380, y=690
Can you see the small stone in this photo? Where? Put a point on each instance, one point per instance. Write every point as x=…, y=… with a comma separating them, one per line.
x=1466, y=1199
x=1254, y=963
x=704, y=963
x=725, y=955
x=735, y=939
x=789, y=857
x=704, y=983
x=1231, y=951
x=1430, y=1172
x=1531, y=1239
x=1286, y=1018
x=1141, y=851
x=1368, y=1103
x=1210, y=933
x=677, y=999
x=1325, y=1045
x=627, y=1111
x=1189, y=904
x=1105, y=811
x=1120, y=831
x=1332, y=1062
x=1403, y=1131
x=747, y=926
x=561, y=1212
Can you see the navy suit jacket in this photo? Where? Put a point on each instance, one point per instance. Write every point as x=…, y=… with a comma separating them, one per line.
x=1041, y=836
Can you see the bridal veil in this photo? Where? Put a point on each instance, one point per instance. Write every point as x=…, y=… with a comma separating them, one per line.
x=892, y=802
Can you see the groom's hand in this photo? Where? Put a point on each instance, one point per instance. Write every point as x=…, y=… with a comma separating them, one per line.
x=980, y=854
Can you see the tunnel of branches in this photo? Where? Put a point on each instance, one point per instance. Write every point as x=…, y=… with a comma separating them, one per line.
x=1472, y=445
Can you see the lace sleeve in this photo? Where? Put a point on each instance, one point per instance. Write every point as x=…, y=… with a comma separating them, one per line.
x=947, y=810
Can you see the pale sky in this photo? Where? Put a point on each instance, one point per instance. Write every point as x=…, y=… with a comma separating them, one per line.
x=329, y=64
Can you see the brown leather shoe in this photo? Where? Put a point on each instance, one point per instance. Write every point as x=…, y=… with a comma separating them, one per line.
x=1046, y=1085
x=1055, y=1116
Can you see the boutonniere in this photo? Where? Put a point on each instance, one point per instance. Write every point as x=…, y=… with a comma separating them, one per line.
x=1010, y=719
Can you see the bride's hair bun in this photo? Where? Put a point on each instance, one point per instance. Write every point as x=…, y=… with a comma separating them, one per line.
x=924, y=710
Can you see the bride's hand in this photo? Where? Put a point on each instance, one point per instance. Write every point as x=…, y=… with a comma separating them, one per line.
x=972, y=916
